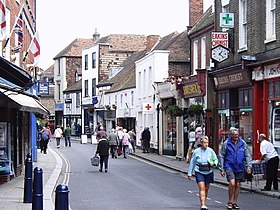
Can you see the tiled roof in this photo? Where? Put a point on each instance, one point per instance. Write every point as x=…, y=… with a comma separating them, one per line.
x=48, y=72
x=126, y=78
x=124, y=42
x=178, y=45
x=76, y=86
x=75, y=48
x=206, y=20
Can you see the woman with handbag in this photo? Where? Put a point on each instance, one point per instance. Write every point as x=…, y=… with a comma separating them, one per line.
x=103, y=151
x=202, y=162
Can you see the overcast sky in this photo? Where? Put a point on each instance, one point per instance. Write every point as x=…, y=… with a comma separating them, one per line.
x=59, y=22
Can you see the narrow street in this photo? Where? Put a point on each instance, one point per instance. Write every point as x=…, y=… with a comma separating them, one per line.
x=136, y=184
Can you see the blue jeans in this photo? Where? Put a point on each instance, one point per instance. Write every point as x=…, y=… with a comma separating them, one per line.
x=104, y=159
x=67, y=140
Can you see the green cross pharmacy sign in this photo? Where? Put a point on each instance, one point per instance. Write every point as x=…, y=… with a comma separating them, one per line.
x=226, y=20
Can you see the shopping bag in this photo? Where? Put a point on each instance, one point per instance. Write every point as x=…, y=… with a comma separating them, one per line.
x=119, y=150
x=94, y=160
x=130, y=148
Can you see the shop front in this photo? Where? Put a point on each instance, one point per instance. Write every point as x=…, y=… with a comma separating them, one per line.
x=267, y=103
x=234, y=101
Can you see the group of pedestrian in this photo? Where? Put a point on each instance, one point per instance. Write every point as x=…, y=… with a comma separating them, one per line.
x=234, y=162
x=194, y=137
x=116, y=143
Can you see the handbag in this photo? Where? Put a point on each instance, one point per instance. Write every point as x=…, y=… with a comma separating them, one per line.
x=204, y=167
x=94, y=160
x=119, y=151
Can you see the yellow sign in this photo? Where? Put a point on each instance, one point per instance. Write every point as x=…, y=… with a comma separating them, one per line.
x=191, y=89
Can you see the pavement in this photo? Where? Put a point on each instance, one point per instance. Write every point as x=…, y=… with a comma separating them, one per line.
x=11, y=193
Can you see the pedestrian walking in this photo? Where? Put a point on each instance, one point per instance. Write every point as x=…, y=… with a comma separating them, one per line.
x=103, y=151
x=58, y=134
x=132, y=137
x=235, y=161
x=270, y=155
x=45, y=137
x=146, y=138
x=202, y=162
x=67, y=135
x=125, y=143
x=191, y=144
x=113, y=140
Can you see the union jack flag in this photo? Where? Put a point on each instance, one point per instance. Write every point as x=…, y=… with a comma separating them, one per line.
x=19, y=32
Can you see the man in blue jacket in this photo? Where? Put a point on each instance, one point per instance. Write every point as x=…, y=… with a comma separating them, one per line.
x=235, y=160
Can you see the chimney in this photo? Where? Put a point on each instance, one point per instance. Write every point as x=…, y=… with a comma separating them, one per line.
x=96, y=35
x=151, y=41
x=195, y=11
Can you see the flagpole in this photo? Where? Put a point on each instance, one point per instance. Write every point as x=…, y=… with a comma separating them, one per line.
x=15, y=23
x=29, y=47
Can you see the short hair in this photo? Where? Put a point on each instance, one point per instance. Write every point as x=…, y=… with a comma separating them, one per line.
x=232, y=130
x=204, y=138
x=263, y=135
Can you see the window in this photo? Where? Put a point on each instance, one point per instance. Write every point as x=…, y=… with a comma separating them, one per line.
x=94, y=60
x=116, y=99
x=150, y=79
x=144, y=81
x=58, y=91
x=139, y=84
x=94, y=87
x=203, y=53
x=78, y=100
x=270, y=20
x=59, y=66
x=121, y=100
x=86, y=88
x=225, y=9
x=242, y=24
x=195, y=57
x=132, y=98
x=86, y=62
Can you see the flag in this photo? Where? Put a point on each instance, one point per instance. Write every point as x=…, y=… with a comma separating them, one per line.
x=3, y=28
x=35, y=48
x=19, y=32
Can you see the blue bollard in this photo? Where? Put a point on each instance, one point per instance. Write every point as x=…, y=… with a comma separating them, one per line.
x=27, y=197
x=61, y=197
x=37, y=196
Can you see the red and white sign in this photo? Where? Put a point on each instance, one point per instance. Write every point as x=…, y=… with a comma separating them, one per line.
x=219, y=38
x=148, y=107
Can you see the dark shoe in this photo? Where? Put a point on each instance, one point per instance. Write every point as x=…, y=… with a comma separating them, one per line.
x=144, y=152
x=100, y=170
x=235, y=206
x=45, y=152
x=125, y=157
x=106, y=170
x=229, y=206
x=265, y=189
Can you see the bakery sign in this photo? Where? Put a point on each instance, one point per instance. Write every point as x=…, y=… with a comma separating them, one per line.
x=191, y=89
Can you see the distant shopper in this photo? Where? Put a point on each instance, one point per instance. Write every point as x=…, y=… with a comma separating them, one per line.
x=191, y=144
x=45, y=137
x=125, y=143
x=202, y=162
x=198, y=135
x=146, y=138
x=113, y=140
x=270, y=155
x=58, y=134
x=67, y=135
x=235, y=161
x=103, y=151
x=132, y=137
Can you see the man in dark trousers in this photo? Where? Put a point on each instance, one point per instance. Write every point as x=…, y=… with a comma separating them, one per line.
x=270, y=155
x=146, y=137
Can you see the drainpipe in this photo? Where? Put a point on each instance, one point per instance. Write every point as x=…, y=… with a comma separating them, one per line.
x=158, y=110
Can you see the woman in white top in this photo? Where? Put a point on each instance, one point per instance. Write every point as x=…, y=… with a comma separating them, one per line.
x=58, y=134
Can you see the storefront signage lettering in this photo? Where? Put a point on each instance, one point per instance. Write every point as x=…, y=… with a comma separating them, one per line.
x=230, y=78
x=192, y=89
x=219, y=38
x=272, y=71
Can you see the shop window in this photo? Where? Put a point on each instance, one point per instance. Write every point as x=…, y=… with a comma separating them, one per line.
x=245, y=97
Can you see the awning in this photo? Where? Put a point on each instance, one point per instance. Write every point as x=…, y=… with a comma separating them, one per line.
x=27, y=103
x=15, y=74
